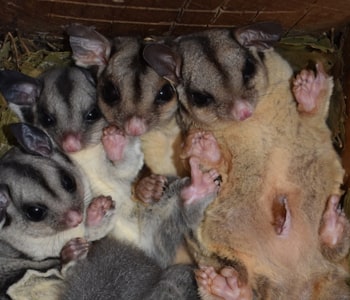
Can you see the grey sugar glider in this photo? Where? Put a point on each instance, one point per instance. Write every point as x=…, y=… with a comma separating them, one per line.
x=42, y=204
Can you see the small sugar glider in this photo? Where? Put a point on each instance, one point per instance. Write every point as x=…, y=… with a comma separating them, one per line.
x=133, y=95
x=135, y=274
x=272, y=219
x=63, y=102
x=42, y=205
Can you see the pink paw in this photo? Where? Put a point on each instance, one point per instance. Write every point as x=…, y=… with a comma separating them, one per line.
x=203, y=145
x=150, y=188
x=74, y=249
x=202, y=184
x=225, y=284
x=114, y=142
x=334, y=223
x=97, y=210
x=308, y=89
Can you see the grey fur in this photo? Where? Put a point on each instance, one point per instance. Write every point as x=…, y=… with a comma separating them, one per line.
x=115, y=270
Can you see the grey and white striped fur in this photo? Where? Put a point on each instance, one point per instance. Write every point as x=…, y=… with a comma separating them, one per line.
x=42, y=200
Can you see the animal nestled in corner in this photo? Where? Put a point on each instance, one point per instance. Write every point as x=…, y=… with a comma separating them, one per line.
x=43, y=205
x=262, y=237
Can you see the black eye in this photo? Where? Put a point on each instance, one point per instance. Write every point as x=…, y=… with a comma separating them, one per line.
x=35, y=212
x=201, y=99
x=165, y=94
x=68, y=182
x=93, y=115
x=110, y=93
x=46, y=119
x=248, y=69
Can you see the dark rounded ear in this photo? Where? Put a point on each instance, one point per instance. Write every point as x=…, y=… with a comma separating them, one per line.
x=32, y=139
x=164, y=61
x=89, y=47
x=4, y=202
x=18, y=88
x=261, y=35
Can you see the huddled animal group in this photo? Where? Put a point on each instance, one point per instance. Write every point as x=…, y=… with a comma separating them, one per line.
x=193, y=167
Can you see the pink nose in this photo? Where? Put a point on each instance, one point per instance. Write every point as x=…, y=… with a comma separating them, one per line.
x=135, y=126
x=73, y=218
x=71, y=142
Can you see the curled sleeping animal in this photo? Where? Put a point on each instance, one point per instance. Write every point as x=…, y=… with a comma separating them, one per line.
x=273, y=221
x=125, y=272
x=43, y=204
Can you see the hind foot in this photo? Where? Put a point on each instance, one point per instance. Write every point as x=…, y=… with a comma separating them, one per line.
x=224, y=285
x=202, y=184
x=310, y=91
x=334, y=232
x=202, y=145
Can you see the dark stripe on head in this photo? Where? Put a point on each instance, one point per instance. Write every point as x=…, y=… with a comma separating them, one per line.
x=28, y=171
x=138, y=66
x=208, y=50
x=64, y=85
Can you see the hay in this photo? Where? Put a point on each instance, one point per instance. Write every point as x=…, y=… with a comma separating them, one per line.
x=31, y=58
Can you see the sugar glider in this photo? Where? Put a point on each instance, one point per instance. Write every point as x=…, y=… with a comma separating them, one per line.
x=43, y=205
x=281, y=175
x=117, y=270
x=133, y=95
x=138, y=96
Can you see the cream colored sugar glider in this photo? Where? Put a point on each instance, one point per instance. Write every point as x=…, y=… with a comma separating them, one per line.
x=43, y=204
x=274, y=217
